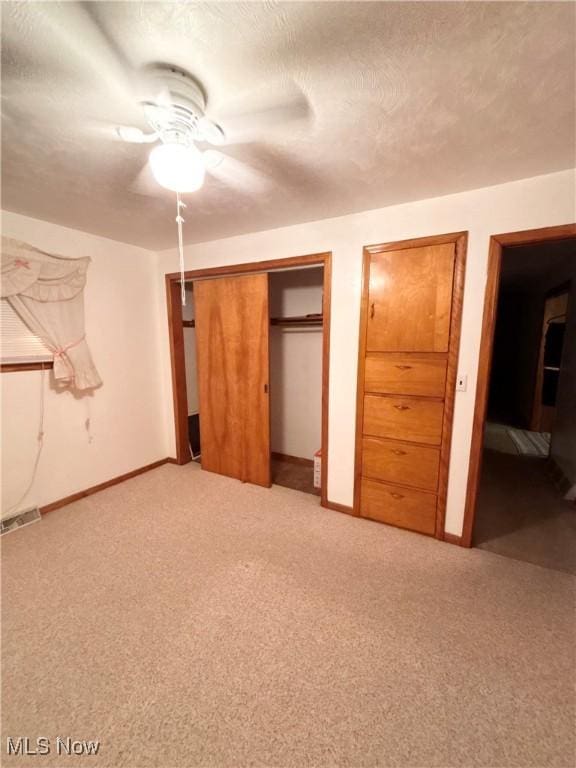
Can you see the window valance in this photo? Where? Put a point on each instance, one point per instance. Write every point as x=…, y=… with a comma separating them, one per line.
x=47, y=292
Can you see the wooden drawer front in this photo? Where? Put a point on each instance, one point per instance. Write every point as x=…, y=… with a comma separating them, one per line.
x=403, y=418
x=403, y=507
x=402, y=463
x=405, y=374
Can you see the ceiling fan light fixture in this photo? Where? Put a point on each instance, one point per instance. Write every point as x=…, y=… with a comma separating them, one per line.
x=178, y=167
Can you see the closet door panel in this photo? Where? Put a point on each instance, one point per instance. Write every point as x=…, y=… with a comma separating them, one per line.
x=396, y=462
x=409, y=299
x=232, y=355
x=404, y=418
x=405, y=374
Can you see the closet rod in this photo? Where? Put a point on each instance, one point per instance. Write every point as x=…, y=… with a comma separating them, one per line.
x=297, y=320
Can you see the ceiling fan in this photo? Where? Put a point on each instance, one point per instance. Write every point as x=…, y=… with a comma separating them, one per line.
x=174, y=106
x=171, y=101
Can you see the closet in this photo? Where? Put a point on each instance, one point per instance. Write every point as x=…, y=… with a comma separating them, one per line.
x=409, y=337
x=254, y=349
x=296, y=339
x=189, y=340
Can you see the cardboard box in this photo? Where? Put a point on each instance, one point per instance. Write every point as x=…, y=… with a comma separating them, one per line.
x=317, y=469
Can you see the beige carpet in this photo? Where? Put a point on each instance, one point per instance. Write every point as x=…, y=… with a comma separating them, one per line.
x=184, y=619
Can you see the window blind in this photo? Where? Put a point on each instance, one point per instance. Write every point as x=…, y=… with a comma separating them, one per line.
x=17, y=343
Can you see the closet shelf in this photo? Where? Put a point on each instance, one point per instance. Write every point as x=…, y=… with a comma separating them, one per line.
x=297, y=320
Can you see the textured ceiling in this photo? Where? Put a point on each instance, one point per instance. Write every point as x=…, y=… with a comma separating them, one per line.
x=388, y=102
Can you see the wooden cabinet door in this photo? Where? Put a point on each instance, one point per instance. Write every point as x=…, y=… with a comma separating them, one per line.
x=409, y=299
x=232, y=343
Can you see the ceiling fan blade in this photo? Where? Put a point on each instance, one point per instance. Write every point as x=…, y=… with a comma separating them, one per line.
x=211, y=132
x=132, y=135
x=212, y=159
x=263, y=117
x=145, y=183
x=76, y=28
x=234, y=173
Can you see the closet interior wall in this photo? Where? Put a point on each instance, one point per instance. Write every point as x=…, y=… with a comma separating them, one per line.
x=296, y=363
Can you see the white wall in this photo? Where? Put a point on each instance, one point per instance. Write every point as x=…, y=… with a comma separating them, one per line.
x=530, y=203
x=127, y=426
x=296, y=364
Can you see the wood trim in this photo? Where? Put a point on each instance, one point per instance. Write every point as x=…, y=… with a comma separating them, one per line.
x=176, y=336
x=101, y=486
x=360, y=378
x=326, y=319
x=292, y=459
x=178, y=365
x=14, y=367
x=418, y=242
x=451, y=538
x=253, y=266
x=460, y=239
x=451, y=374
x=535, y=236
x=497, y=243
x=339, y=507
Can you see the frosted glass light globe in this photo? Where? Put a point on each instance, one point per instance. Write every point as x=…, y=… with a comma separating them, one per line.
x=177, y=167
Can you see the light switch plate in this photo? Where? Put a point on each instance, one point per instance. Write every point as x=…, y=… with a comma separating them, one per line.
x=461, y=382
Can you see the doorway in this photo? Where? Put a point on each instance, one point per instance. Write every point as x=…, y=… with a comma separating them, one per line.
x=522, y=476
x=299, y=330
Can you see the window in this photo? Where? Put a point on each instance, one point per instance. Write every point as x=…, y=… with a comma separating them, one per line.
x=18, y=344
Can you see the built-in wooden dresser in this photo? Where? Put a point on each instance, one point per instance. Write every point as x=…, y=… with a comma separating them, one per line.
x=409, y=335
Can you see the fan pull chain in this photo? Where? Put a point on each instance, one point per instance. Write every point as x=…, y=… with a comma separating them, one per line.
x=180, y=221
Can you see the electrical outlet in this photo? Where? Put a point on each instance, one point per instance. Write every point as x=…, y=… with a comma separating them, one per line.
x=461, y=382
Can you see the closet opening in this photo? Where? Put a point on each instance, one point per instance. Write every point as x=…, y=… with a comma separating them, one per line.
x=296, y=377
x=191, y=367
x=249, y=356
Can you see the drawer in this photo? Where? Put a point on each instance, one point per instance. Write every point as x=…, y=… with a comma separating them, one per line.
x=405, y=374
x=403, y=418
x=399, y=506
x=402, y=463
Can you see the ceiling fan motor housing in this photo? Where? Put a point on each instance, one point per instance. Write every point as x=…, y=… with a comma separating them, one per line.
x=174, y=105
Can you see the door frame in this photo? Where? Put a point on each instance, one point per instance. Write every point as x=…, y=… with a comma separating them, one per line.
x=176, y=338
x=497, y=244
x=460, y=240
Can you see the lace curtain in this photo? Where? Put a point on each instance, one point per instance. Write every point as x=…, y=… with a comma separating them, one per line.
x=47, y=292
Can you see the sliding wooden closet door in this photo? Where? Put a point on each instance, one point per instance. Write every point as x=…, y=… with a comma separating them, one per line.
x=407, y=369
x=232, y=332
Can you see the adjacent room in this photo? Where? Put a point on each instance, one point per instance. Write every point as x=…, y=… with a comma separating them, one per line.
x=525, y=507
x=287, y=353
